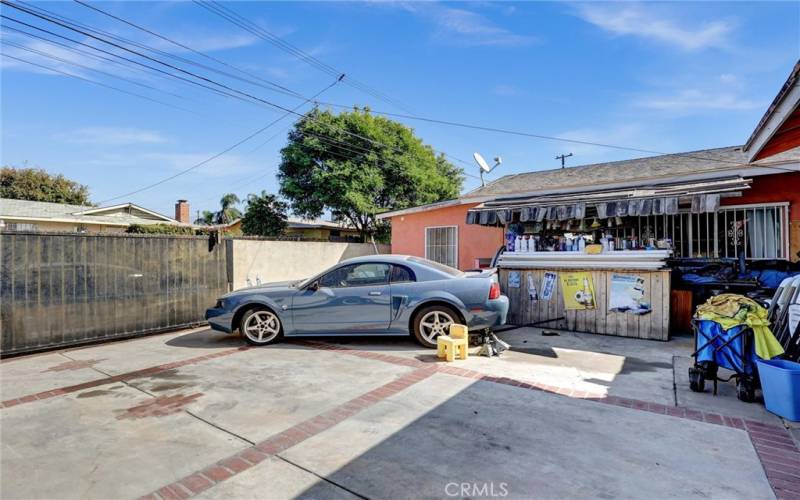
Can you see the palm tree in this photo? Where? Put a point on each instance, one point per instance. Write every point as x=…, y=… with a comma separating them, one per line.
x=229, y=212
x=206, y=218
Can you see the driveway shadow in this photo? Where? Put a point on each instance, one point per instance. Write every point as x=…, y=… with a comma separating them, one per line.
x=206, y=339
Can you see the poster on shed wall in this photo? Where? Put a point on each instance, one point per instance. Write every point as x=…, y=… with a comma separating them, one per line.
x=578, y=291
x=548, y=284
x=627, y=294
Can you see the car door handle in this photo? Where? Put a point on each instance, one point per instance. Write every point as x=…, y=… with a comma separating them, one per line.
x=376, y=293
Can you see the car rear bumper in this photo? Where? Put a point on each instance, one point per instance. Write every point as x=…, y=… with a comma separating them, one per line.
x=494, y=313
x=220, y=319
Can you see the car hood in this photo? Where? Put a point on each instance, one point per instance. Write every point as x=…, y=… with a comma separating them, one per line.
x=263, y=288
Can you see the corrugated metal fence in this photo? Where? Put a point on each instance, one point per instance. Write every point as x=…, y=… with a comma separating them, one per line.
x=60, y=289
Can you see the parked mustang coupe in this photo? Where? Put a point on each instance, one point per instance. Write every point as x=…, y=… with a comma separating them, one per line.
x=373, y=295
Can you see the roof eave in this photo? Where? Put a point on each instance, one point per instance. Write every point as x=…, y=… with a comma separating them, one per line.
x=778, y=112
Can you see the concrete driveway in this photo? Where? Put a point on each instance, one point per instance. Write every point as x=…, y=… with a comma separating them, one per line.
x=195, y=413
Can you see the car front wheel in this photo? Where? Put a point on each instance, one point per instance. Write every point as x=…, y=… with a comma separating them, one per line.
x=260, y=327
x=431, y=322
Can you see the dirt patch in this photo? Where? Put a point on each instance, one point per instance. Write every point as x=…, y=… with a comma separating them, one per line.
x=158, y=407
x=100, y=392
x=94, y=394
x=167, y=386
x=172, y=374
x=73, y=365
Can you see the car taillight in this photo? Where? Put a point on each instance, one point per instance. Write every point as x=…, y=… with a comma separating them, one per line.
x=494, y=291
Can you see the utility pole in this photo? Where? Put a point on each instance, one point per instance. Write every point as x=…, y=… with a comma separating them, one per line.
x=562, y=158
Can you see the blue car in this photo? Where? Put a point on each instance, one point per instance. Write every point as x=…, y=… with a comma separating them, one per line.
x=373, y=295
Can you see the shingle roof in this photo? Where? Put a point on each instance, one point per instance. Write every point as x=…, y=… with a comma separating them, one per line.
x=653, y=168
x=44, y=211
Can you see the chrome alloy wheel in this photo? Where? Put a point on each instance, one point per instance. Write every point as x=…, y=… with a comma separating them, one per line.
x=435, y=323
x=262, y=327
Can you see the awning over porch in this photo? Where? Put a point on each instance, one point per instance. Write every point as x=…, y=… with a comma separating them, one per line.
x=699, y=196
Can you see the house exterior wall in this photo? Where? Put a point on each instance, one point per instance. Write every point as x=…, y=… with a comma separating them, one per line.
x=474, y=241
x=264, y=261
x=777, y=188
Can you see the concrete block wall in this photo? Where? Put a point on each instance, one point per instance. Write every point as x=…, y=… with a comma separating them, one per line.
x=267, y=261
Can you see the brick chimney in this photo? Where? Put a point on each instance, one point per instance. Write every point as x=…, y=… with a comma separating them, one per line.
x=182, y=212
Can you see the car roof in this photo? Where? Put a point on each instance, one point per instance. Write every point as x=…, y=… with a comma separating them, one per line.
x=390, y=258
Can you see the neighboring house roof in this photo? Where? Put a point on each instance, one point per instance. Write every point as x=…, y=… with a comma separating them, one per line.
x=299, y=223
x=116, y=215
x=780, y=125
x=680, y=166
x=424, y=208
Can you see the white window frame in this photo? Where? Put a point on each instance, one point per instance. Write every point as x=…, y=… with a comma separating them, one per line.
x=784, y=225
x=456, y=244
x=714, y=249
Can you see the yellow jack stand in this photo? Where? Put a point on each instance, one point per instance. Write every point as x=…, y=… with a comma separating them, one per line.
x=455, y=345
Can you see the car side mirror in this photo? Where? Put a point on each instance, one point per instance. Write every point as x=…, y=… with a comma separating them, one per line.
x=314, y=286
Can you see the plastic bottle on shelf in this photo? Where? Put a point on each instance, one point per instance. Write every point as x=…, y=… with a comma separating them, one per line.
x=518, y=244
x=581, y=243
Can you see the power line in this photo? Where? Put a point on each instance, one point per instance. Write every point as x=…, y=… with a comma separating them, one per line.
x=328, y=68
x=54, y=70
x=160, y=71
x=226, y=150
x=270, y=85
x=372, y=141
x=244, y=23
x=73, y=49
x=73, y=63
x=144, y=56
x=554, y=138
x=269, y=103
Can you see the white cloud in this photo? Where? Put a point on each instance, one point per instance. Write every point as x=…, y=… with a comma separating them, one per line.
x=505, y=90
x=695, y=100
x=209, y=42
x=629, y=135
x=219, y=167
x=655, y=24
x=111, y=136
x=465, y=27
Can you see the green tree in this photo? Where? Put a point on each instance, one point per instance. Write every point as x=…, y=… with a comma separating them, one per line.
x=35, y=184
x=265, y=215
x=358, y=165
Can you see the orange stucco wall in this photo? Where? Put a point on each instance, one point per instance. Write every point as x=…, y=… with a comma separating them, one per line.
x=773, y=189
x=474, y=241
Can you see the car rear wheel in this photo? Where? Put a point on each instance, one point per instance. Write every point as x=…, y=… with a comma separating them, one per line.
x=260, y=327
x=431, y=322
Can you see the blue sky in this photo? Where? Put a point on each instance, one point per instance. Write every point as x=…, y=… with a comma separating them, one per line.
x=659, y=76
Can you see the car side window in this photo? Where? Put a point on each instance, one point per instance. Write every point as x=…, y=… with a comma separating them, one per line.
x=402, y=274
x=357, y=275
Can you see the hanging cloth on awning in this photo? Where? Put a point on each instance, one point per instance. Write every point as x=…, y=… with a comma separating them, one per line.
x=702, y=197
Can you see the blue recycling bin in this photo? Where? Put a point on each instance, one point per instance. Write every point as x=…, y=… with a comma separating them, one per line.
x=780, y=383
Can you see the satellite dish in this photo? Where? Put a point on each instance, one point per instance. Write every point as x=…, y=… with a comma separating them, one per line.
x=485, y=168
x=481, y=162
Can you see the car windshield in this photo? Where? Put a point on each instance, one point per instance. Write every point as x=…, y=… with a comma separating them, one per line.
x=439, y=267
